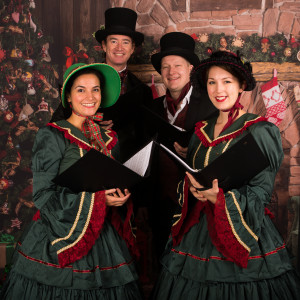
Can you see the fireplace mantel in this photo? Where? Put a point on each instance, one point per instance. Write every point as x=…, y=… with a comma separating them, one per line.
x=263, y=71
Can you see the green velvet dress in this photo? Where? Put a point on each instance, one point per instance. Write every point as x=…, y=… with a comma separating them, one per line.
x=76, y=247
x=230, y=249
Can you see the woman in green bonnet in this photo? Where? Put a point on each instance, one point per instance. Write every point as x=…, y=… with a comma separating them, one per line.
x=223, y=244
x=78, y=245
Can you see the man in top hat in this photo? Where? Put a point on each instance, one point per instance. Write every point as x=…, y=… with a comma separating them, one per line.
x=182, y=106
x=119, y=40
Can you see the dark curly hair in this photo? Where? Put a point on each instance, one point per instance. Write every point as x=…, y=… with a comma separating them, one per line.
x=230, y=62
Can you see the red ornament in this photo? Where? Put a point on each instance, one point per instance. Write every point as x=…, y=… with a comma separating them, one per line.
x=4, y=184
x=2, y=55
x=281, y=43
x=254, y=50
x=273, y=54
x=209, y=50
x=8, y=117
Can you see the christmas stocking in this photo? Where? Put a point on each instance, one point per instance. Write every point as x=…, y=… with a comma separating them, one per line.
x=273, y=100
x=153, y=88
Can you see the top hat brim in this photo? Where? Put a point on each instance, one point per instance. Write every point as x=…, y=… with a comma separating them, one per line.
x=191, y=57
x=136, y=36
x=112, y=84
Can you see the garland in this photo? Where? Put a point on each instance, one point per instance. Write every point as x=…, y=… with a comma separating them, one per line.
x=254, y=48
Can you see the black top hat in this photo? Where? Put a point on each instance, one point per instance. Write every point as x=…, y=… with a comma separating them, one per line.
x=243, y=69
x=175, y=43
x=120, y=20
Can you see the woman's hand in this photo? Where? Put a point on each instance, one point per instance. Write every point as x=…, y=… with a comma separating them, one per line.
x=180, y=150
x=115, y=197
x=106, y=124
x=209, y=194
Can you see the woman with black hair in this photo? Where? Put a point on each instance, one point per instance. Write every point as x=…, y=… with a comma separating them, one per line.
x=223, y=244
x=79, y=245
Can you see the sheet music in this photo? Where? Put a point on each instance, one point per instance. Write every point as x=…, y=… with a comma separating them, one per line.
x=140, y=161
x=179, y=159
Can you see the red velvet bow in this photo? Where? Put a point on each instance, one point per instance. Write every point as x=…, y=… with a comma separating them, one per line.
x=73, y=57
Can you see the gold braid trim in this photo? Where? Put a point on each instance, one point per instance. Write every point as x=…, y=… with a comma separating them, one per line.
x=242, y=219
x=75, y=222
x=194, y=158
x=181, y=202
x=84, y=228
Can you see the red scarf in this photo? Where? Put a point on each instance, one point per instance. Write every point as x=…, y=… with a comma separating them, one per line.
x=92, y=132
x=171, y=103
x=123, y=76
x=233, y=112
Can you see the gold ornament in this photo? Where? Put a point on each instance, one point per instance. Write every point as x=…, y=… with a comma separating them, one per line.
x=238, y=42
x=287, y=52
x=203, y=38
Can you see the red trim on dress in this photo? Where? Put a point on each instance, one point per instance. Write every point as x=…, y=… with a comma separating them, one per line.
x=71, y=138
x=269, y=213
x=84, y=245
x=225, y=259
x=219, y=140
x=114, y=140
x=221, y=233
x=36, y=216
x=76, y=270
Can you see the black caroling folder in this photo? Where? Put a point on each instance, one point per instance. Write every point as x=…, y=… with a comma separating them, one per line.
x=95, y=171
x=232, y=168
x=167, y=133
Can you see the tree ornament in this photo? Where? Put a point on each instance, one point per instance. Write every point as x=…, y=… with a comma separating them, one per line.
x=16, y=53
x=4, y=184
x=31, y=4
x=287, y=52
x=43, y=106
x=8, y=116
x=203, y=38
x=32, y=24
x=27, y=77
x=6, y=19
x=265, y=45
x=2, y=54
x=273, y=54
x=282, y=43
x=16, y=16
x=26, y=111
x=17, y=108
x=40, y=34
x=3, y=103
x=238, y=42
x=9, y=142
x=15, y=29
x=30, y=89
x=298, y=55
x=45, y=54
x=25, y=19
x=30, y=62
x=254, y=50
x=4, y=209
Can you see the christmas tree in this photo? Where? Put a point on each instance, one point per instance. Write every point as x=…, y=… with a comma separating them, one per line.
x=28, y=96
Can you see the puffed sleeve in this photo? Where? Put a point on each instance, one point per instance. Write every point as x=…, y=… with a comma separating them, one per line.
x=235, y=221
x=73, y=221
